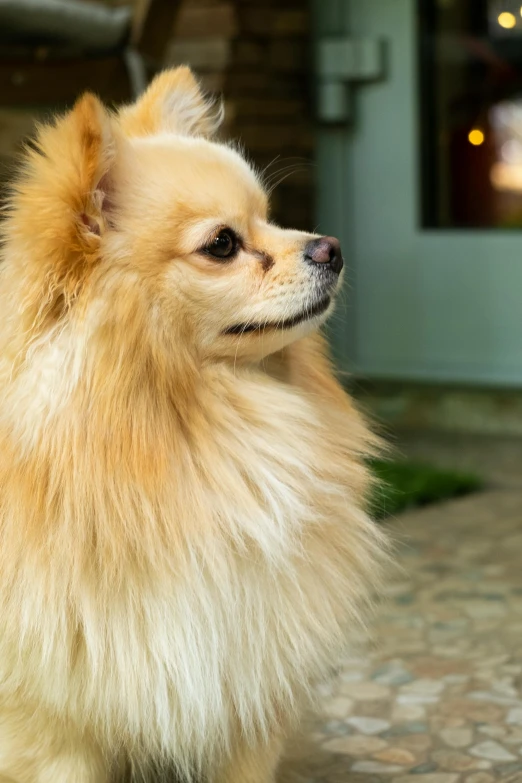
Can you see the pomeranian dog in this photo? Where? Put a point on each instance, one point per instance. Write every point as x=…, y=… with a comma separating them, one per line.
x=184, y=550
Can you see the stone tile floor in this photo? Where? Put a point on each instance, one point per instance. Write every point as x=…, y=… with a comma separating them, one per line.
x=437, y=696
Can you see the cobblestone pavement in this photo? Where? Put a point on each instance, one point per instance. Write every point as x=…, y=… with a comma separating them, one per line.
x=437, y=698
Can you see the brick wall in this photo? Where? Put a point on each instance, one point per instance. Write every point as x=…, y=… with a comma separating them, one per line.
x=257, y=53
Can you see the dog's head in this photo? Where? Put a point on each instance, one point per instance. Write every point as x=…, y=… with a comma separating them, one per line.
x=142, y=207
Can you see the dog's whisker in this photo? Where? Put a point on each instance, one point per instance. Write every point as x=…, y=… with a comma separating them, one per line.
x=265, y=169
x=288, y=161
x=282, y=169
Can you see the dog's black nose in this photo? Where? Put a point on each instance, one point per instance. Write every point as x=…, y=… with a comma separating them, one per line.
x=325, y=250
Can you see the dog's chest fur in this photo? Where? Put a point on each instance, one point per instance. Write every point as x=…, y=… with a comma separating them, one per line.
x=162, y=611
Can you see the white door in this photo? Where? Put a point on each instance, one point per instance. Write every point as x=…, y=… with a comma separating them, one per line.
x=424, y=187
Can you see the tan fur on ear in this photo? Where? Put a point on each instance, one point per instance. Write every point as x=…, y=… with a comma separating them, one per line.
x=91, y=123
x=173, y=103
x=59, y=196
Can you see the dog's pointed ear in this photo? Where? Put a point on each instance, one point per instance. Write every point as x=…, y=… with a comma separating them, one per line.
x=68, y=172
x=63, y=193
x=92, y=140
x=173, y=103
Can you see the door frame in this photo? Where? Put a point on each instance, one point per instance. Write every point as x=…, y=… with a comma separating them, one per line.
x=331, y=17
x=419, y=304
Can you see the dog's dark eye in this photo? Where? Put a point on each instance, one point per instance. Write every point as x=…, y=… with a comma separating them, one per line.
x=224, y=244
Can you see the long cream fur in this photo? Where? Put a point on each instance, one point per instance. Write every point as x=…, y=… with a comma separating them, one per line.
x=183, y=547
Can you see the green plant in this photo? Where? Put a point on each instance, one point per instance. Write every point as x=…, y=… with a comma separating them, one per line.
x=402, y=485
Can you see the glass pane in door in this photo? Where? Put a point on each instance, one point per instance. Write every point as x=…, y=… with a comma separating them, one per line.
x=471, y=113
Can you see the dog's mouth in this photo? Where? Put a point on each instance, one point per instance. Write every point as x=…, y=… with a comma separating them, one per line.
x=286, y=323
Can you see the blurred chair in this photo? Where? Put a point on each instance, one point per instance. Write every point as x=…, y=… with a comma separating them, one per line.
x=52, y=50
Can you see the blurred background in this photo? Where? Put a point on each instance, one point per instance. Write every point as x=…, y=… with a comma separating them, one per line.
x=257, y=54
x=397, y=126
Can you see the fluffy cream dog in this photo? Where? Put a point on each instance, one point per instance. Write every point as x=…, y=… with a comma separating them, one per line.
x=183, y=546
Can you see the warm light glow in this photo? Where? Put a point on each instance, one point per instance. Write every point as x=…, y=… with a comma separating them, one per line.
x=507, y=20
x=505, y=177
x=476, y=137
